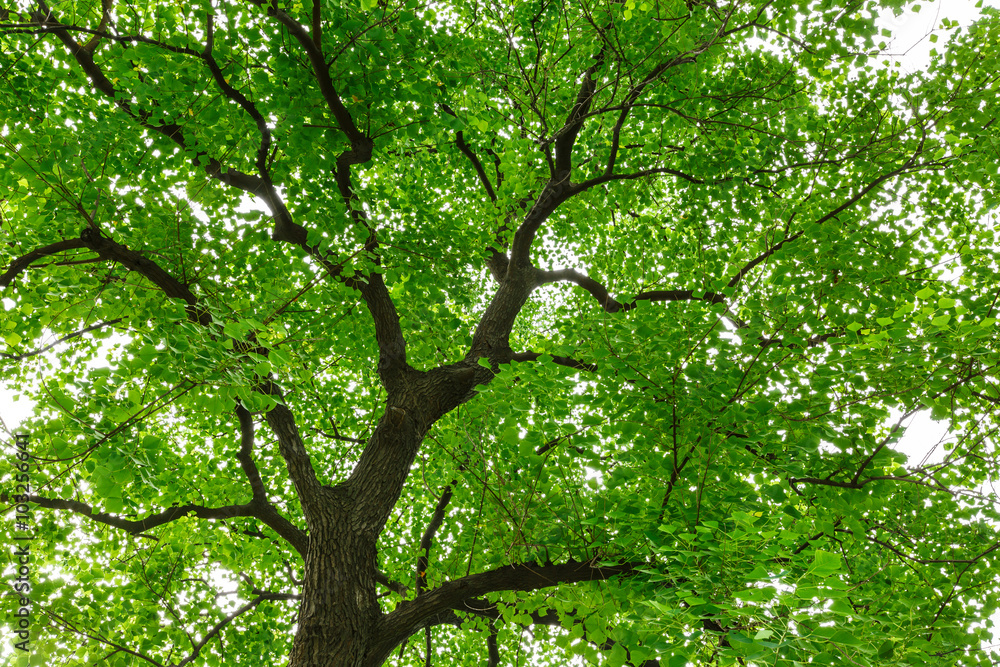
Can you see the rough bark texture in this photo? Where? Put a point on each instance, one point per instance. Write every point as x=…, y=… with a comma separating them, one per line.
x=340, y=622
x=339, y=612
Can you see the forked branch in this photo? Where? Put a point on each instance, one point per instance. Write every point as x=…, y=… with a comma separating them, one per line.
x=232, y=616
x=172, y=131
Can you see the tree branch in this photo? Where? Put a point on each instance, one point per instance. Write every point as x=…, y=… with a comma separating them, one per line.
x=863, y=192
x=372, y=288
x=735, y=280
x=498, y=260
x=245, y=454
x=554, y=193
x=394, y=586
x=361, y=145
x=476, y=164
x=608, y=178
x=92, y=327
x=988, y=399
x=282, y=218
x=492, y=334
x=257, y=510
x=108, y=249
x=317, y=24
x=266, y=512
x=562, y=361
x=885, y=441
x=106, y=7
x=172, y=131
x=118, y=648
x=565, y=138
x=293, y=450
x=934, y=561
x=135, y=527
x=279, y=418
x=428, y=538
x=261, y=185
x=410, y=616
x=611, y=305
x=633, y=96
x=492, y=648
x=812, y=341
x=559, y=187
x=24, y=261
x=388, y=334
x=218, y=627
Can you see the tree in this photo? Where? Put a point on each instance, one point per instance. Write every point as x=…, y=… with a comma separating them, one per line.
x=470, y=332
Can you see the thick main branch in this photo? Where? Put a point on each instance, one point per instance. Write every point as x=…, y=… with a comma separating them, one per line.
x=137, y=526
x=411, y=616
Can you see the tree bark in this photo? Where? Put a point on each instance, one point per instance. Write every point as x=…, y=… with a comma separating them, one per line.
x=339, y=612
x=340, y=619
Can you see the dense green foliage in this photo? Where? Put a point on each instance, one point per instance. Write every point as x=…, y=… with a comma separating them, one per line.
x=687, y=270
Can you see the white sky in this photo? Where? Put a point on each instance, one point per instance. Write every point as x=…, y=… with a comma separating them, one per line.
x=911, y=46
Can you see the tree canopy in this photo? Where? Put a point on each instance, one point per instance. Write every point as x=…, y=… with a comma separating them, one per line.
x=473, y=332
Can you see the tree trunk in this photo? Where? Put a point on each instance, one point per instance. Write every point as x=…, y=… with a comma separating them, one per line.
x=339, y=612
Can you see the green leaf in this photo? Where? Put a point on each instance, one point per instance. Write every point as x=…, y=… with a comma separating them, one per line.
x=941, y=320
x=825, y=563
x=617, y=656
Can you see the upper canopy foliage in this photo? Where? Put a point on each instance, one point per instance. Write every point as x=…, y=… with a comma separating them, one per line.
x=651, y=288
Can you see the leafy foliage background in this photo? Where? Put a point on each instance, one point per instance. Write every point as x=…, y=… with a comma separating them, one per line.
x=671, y=279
